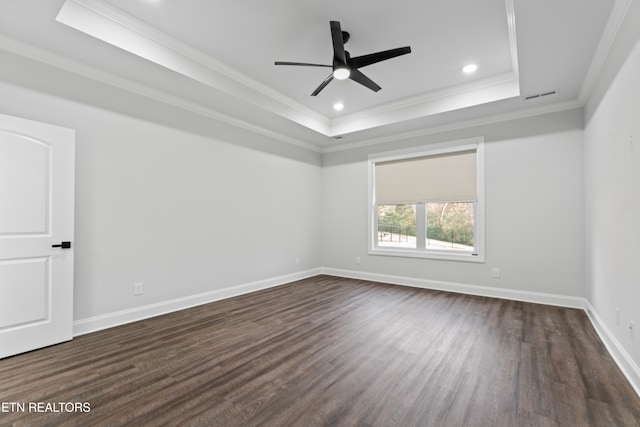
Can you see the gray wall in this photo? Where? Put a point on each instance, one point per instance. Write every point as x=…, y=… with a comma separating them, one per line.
x=612, y=177
x=183, y=213
x=534, y=209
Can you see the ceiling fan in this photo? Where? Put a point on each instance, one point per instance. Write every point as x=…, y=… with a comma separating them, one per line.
x=346, y=67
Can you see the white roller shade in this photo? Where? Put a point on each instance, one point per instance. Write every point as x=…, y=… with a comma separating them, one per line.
x=442, y=178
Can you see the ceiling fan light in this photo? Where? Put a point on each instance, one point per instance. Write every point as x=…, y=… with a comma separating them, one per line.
x=471, y=68
x=341, y=73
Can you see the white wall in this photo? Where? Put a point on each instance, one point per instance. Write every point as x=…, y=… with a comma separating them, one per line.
x=534, y=210
x=612, y=177
x=183, y=213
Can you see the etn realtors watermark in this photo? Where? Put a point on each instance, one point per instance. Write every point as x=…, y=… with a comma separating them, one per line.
x=44, y=407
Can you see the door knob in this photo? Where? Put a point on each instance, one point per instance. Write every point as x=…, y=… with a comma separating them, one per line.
x=63, y=245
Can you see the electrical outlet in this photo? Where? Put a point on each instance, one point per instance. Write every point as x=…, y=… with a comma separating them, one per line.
x=358, y=260
x=138, y=288
x=495, y=273
x=618, y=316
x=297, y=261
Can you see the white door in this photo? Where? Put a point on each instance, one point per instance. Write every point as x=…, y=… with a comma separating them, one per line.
x=36, y=213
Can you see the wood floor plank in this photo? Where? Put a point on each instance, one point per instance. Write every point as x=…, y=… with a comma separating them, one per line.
x=329, y=351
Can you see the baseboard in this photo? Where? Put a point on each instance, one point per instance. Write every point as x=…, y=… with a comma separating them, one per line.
x=626, y=364
x=110, y=320
x=525, y=296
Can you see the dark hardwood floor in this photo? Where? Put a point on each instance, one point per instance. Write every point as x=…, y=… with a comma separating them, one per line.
x=328, y=351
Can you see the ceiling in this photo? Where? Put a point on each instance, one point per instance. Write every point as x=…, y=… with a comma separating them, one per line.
x=217, y=58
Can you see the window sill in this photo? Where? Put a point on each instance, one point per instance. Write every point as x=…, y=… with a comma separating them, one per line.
x=436, y=255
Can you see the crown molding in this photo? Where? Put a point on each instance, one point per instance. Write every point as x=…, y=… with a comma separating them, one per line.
x=45, y=57
x=428, y=98
x=513, y=43
x=111, y=25
x=614, y=23
x=470, y=95
x=496, y=118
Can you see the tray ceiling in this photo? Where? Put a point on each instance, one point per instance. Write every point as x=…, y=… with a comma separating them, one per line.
x=218, y=57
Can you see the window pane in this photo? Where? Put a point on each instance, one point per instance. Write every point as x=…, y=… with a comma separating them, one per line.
x=449, y=226
x=397, y=226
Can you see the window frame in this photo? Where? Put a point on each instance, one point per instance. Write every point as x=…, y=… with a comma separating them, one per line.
x=449, y=147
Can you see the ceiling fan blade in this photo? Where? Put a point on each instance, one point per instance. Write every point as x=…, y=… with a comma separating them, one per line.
x=338, y=43
x=322, y=85
x=372, y=58
x=304, y=64
x=357, y=76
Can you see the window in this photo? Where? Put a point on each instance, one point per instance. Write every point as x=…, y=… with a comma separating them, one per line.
x=428, y=203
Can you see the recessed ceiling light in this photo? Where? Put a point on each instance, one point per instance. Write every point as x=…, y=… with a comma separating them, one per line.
x=338, y=106
x=468, y=69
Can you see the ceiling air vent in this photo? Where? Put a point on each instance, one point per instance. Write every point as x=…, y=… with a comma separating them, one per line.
x=540, y=95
